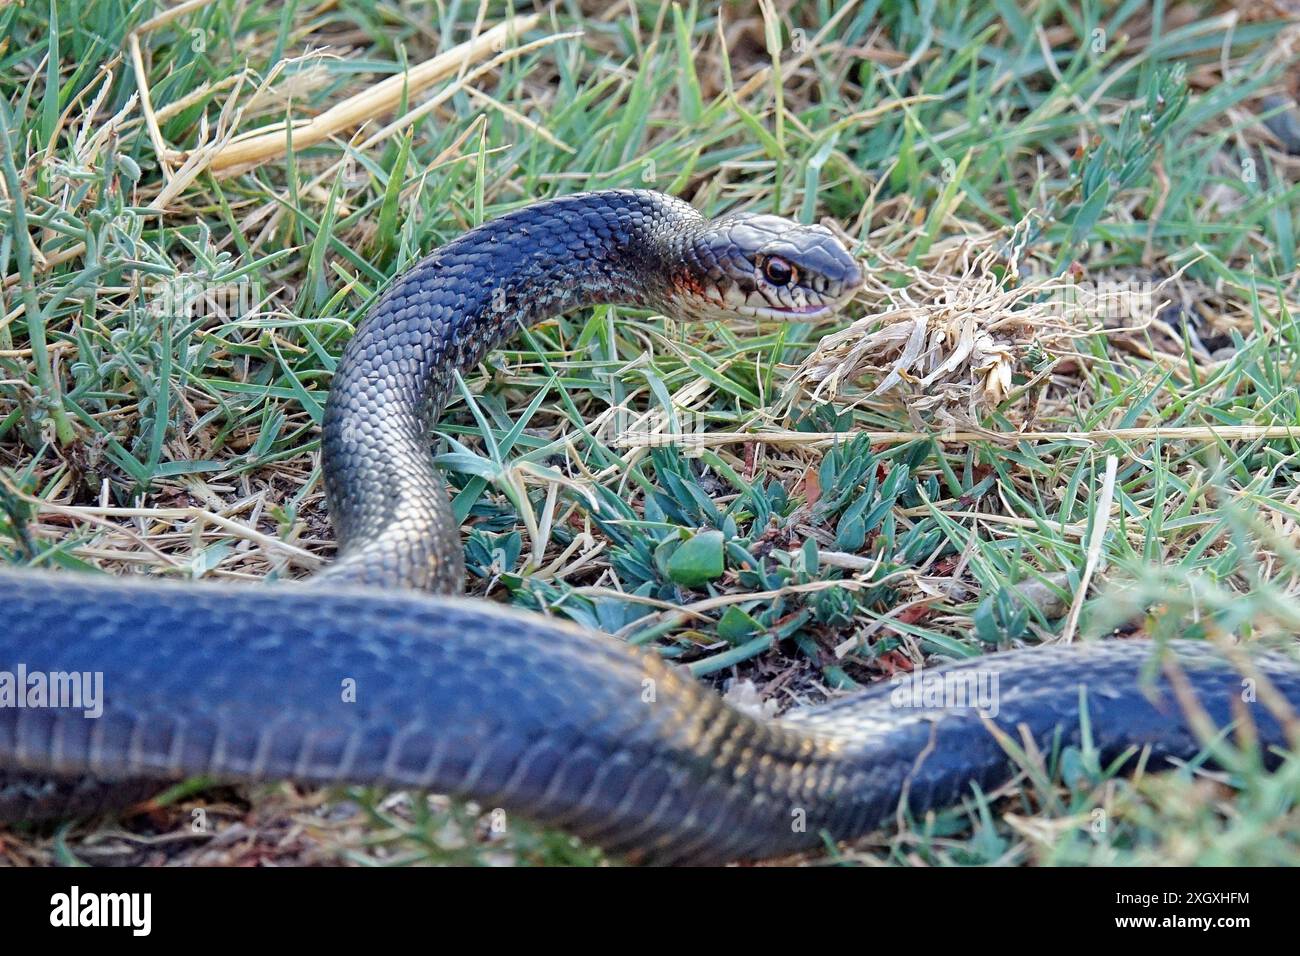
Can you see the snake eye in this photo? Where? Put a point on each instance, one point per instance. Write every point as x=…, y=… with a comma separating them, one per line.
x=778, y=271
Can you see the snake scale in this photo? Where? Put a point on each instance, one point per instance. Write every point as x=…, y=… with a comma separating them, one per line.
x=521, y=711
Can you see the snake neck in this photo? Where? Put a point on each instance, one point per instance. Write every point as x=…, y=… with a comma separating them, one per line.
x=387, y=501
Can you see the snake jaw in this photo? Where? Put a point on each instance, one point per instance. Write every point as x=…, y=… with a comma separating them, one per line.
x=803, y=312
x=720, y=303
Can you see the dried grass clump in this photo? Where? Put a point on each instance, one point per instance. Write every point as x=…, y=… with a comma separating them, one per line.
x=946, y=341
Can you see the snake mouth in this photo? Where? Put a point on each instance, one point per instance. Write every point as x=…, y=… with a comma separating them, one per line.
x=796, y=313
x=801, y=310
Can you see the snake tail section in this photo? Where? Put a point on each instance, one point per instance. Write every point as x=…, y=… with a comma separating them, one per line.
x=563, y=727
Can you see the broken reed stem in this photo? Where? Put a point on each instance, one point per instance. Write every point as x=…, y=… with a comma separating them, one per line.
x=379, y=99
x=252, y=148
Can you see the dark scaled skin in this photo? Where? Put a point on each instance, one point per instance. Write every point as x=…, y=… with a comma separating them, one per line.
x=466, y=697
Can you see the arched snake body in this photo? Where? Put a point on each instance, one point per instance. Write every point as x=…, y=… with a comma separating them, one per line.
x=517, y=710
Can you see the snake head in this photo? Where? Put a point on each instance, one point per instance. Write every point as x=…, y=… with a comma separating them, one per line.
x=763, y=267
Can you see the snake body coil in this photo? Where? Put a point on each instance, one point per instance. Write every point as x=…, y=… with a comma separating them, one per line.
x=466, y=697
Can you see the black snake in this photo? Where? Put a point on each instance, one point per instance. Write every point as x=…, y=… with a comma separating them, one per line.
x=516, y=710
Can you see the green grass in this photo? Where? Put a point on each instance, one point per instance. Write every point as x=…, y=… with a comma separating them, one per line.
x=907, y=124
